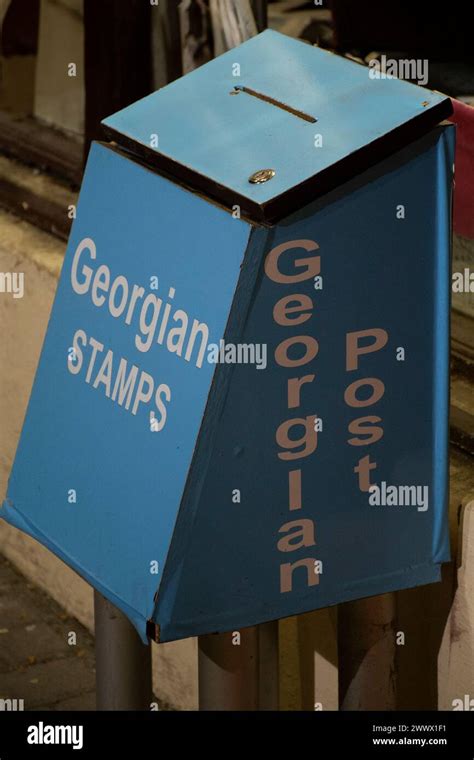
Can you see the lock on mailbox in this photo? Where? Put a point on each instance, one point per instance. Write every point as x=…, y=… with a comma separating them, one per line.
x=241, y=408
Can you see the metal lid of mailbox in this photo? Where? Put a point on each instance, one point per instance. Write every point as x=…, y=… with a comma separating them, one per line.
x=273, y=124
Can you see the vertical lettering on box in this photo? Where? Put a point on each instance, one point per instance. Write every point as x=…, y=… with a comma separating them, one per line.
x=292, y=310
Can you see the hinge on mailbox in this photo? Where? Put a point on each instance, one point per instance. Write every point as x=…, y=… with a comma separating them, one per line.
x=153, y=631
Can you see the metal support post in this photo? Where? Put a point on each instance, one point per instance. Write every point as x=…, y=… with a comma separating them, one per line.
x=239, y=670
x=123, y=662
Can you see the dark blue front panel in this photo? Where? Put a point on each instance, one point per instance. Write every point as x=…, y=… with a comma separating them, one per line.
x=383, y=247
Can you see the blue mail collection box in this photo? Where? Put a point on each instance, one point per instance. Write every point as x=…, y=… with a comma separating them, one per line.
x=241, y=408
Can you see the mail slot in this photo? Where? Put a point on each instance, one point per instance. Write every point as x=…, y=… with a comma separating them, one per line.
x=241, y=408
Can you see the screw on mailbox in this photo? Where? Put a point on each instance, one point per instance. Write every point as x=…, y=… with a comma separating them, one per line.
x=263, y=175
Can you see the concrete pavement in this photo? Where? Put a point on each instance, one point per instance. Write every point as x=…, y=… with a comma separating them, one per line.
x=46, y=656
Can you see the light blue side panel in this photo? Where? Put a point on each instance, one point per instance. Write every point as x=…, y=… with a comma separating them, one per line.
x=128, y=479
